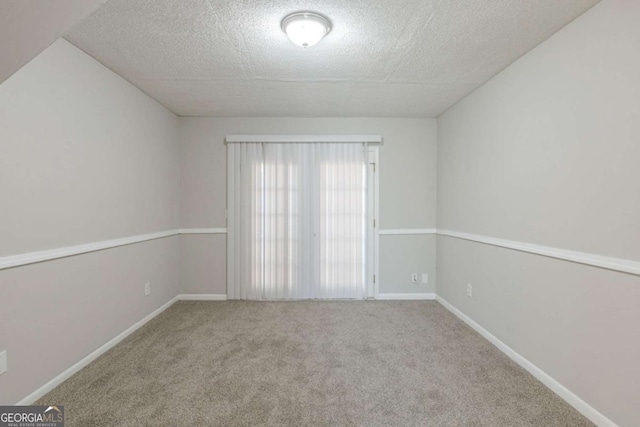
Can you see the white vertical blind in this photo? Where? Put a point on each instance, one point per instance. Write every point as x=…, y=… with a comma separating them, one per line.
x=297, y=218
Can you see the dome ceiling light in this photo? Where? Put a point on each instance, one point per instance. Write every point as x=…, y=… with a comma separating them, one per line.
x=305, y=28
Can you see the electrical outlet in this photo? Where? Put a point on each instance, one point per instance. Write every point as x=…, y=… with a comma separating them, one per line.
x=414, y=277
x=469, y=290
x=3, y=362
x=425, y=277
x=147, y=288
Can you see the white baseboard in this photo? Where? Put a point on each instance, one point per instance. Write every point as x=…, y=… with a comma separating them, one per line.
x=76, y=367
x=424, y=296
x=580, y=405
x=202, y=297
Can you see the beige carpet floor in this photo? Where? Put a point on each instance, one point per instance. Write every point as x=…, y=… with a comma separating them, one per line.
x=308, y=363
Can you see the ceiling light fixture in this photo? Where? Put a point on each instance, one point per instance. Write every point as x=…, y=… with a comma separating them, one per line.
x=305, y=28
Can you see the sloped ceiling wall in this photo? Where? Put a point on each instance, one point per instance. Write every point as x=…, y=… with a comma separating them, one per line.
x=27, y=27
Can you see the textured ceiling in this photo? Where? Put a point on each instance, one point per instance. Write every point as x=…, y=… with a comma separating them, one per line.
x=393, y=58
x=27, y=27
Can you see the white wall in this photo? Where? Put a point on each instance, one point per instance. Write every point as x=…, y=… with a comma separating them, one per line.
x=407, y=193
x=547, y=153
x=84, y=157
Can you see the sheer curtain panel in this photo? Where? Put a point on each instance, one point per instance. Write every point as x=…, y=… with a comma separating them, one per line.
x=296, y=220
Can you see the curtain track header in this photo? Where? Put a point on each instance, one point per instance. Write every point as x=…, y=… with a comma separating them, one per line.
x=365, y=139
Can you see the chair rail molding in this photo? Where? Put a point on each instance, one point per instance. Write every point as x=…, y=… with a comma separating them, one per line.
x=406, y=231
x=609, y=263
x=67, y=251
x=51, y=254
x=203, y=231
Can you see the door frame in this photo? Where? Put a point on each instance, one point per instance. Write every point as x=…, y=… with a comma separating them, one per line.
x=373, y=227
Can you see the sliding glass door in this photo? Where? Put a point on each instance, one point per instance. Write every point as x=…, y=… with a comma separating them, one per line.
x=298, y=222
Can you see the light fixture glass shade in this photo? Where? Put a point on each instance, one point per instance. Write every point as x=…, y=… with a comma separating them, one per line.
x=305, y=28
